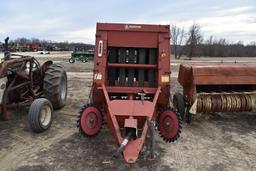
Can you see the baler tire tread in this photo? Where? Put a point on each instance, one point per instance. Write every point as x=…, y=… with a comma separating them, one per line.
x=188, y=117
x=179, y=118
x=78, y=124
x=180, y=104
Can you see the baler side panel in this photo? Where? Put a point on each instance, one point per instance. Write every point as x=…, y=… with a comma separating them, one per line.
x=164, y=70
x=100, y=58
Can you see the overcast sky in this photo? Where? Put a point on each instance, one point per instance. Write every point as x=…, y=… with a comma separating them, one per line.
x=75, y=20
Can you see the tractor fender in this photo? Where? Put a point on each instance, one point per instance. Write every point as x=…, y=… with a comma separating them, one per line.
x=3, y=85
x=45, y=66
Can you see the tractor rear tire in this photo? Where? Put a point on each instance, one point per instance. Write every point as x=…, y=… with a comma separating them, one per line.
x=55, y=85
x=179, y=104
x=40, y=115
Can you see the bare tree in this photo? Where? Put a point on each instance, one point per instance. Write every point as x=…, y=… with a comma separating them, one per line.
x=35, y=40
x=195, y=38
x=177, y=40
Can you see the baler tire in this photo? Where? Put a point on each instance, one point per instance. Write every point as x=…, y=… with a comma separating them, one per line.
x=55, y=85
x=40, y=115
x=179, y=104
x=81, y=121
x=176, y=117
x=188, y=117
x=71, y=60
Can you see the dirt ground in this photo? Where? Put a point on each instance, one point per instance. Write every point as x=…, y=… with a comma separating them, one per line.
x=210, y=142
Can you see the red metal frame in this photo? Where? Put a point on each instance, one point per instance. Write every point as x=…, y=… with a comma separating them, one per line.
x=131, y=113
x=148, y=110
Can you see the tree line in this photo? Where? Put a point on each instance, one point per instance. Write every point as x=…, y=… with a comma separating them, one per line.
x=191, y=43
x=23, y=44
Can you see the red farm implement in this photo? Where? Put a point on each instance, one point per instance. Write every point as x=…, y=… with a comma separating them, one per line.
x=131, y=87
x=216, y=88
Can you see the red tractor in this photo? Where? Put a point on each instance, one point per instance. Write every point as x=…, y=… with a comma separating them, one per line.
x=131, y=87
x=24, y=82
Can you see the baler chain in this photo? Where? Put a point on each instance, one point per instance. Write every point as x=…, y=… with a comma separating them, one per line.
x=96, y=120
x=238, y=102
x=169, y=124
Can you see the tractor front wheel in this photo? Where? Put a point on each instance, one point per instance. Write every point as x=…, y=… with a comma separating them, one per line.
x=40, y=115
x=55, y=85
x=71, y=60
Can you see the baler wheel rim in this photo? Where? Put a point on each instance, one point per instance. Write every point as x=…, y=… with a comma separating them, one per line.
x=170, y=132
x=90, y=121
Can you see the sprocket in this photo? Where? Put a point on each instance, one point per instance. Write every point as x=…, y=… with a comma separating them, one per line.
x=89, y=121
x=169, y=125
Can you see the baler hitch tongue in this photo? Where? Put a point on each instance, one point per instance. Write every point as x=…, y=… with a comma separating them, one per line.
x=123, y=144
x=131, y=135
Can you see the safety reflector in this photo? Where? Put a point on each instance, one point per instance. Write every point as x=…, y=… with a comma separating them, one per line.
x=97, y=76
x=165, y=78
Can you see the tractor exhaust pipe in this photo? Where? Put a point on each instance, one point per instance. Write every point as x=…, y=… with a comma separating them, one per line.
x=6, y=49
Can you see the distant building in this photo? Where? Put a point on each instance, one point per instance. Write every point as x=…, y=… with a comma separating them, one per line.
x=34, y=47
x=28, y=47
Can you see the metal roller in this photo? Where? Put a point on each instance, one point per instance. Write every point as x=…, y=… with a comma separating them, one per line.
x=121, y=59
x=131, y=60
x=151, y=72
x=141, y=72
x=226, y=102
x=112, y=58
